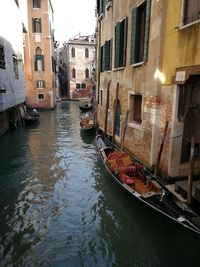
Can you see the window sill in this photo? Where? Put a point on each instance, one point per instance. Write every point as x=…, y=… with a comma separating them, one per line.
x=138, y=64
x=135, y=125
x=182, y=27
x=120, y=68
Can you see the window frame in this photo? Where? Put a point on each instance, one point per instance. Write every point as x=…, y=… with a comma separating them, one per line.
x=40, y=99
x=86, y=53
x=87, y=73
x=182, y=24
x=36, y=3
x=73, y=73
x=73, y=52
x=40, y=84
x=37, y=25
x=132, y=107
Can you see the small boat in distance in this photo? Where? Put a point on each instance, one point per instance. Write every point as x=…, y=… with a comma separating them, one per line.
x=87, y=123
x=135, y=179
x=32, y=116
x=85, y=106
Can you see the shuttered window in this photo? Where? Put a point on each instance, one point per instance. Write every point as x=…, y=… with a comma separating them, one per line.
x=140, y=26
x=120, y=43
x=40, y=84
x=108, y=55
x=101, y=61
x=191, y=11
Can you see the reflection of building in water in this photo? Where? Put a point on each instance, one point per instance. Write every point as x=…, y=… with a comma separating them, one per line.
x=43, y=149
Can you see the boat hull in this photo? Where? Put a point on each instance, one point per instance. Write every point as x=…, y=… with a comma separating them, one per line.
x=163, y=204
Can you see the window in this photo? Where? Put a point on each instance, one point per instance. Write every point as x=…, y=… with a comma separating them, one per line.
x=73, y=52
x=120, y=43
x=37, y=25
x=40, y=96
x=39, y=60
x=140, y=32
x=2, y=58
x=190, y=11
x=15, y=67
x=40, y=84
x=73, y=73
x=101, y=67
x=135, y=113
x=108, y=55
x=78, y=86
x=86, y=53
x=36, y=3
x=83, y=86
x=87, y=73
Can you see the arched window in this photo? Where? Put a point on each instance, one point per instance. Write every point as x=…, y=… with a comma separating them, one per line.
x=87, y=73
x=86, y=53
x=73, y=73
x=39, y=59
x=37, y=25
x=73, y=52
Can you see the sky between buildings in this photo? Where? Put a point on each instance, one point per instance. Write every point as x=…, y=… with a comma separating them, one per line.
x=72, y=17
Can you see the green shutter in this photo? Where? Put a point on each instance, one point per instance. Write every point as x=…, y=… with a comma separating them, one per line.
x=107, y=55
x=42, y=62
x=117, y=44
x=147, y=27
x=125, y=40
x=133, y=36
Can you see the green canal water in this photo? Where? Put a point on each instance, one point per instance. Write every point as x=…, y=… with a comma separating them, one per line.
x=58, y=207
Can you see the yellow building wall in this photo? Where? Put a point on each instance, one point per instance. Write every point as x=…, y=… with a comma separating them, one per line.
x=181, y=46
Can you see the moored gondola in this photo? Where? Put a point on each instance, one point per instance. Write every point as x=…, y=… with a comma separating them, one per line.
x=87, y=123
x=134, y=178
x=85, y=106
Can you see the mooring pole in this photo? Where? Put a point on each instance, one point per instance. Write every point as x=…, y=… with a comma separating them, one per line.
x=191, y=168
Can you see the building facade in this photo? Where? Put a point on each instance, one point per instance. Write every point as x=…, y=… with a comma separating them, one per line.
x=12, y=83
x=40, y=60
x=181, y=90
x=148, y=79
x=81, y=65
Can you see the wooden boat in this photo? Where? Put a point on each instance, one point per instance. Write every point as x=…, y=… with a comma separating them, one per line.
x=85, y=106
x=31, y=117
x=87, y=123
x=135, y=179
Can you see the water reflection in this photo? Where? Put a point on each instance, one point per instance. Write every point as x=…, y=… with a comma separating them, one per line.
x=59, y=207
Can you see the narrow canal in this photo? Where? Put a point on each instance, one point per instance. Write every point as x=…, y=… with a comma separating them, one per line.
x=59, y=208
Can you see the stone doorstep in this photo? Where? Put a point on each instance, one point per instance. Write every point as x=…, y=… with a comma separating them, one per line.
x=181, y=188
x=171, y=188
